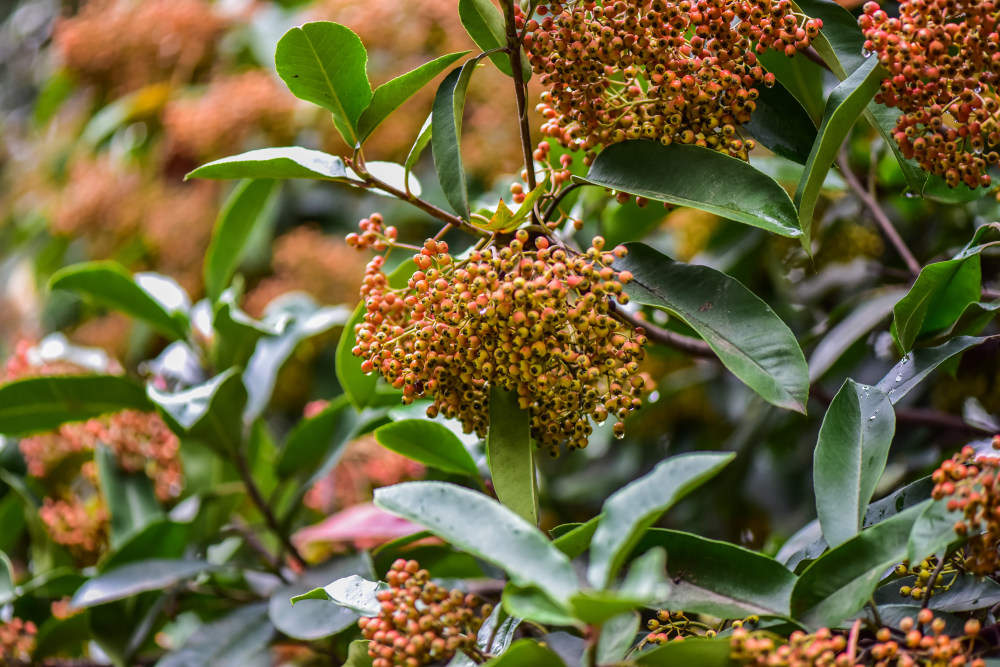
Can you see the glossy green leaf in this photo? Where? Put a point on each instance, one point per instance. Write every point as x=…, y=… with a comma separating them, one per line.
x=160, y=538
x=352, y=592
x=781, y=124
x=276, y=163
x=698, y=177
x=241, y=638
x=358, y=386
x=487, y=28
x=390, y=95
x=244, y=210
x=44, y=403
x=574, y=542
x=211, y=412
x=872, y=308
x=631, y=510
x=749, y=338
x=918, y=364
x=130, y=497
x=966, y=592
x=719, y=578
x=940, y=294
x=851, y=453
x=324, y=63
x=108, y=283
x=128, y=580
x=802, y=78
x=617, y=637
x=511, y=454
x=526, y=653
x=598, y=607
x=312, y=619
x=839, y=583
x=497, y=535
x=236, y=333
x=312, y=439
x=845, y=104
x=933, y=531
x=700, y=652
x=428, y=442
x=532, y=604
x=419, y=144
x=446, y=135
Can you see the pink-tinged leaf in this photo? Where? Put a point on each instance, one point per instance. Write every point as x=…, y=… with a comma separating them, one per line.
x=362, y=526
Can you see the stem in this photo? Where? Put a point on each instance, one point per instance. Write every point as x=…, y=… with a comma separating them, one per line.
x=265, y=509
x=550, y=211
x=423, y=205
x=520, y=91
x=878, y=213
x=271, y=561
x=933, y=580
x=692, y=346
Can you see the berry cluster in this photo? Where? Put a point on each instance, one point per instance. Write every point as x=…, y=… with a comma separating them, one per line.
x=669, y=626
x=537, y=322
x=17, y=640
x=923, y=574
x=971, y=483
x=420, y=622
x=374, y=234
x=669, y=70
x=943, y=58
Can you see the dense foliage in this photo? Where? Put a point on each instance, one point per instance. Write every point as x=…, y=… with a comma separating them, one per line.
x=726, y=264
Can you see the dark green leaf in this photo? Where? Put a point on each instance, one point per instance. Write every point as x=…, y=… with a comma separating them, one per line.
x=497, y=535
x=156, y=300
x=918, y=364
x=841, y=34
x=531, y=603
x=44, y=403
x=159, y=539
x=802, y=78
x=698, y=177
x=634, y=508
x=324, y=63
x=574, y=542
x=696, y=651
x=940, y=294
x=417, y=149
x=719, y=578
x=617, y=637
x=526, y=653
x=781, y=124
x=845, y=104
x=276, y=163
x=965, y=592
x=128, y=580
x=245, y=208
x=210, y=412
x=391, y=94
x=428, y=442
x=933, y=531
x=312, y=439
x=238, y=639
x=597, y=607
x=236, y=333
x=750, y=339
x=487, y=28
x=130, y=497
x=511, y=454
x=837, y=584
x=851, y=453
x=358, y=386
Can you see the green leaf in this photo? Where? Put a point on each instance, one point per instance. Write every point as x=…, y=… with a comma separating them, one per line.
x=417, y=149
x=933, y=531
x=487, y=28
x=597, y=607
x=845, y=104
x=244, y=209
x=275, y=163
x=6, y=579
x=851, y=453
x=719, y=578
x=129, y=496
x=937, y=299
x=872, y=307
x=781, y=124
x=531, y=603
x=44, y=403
x=749, y=338
x=236, y=333
x=918, y=364
x=511, y=454
x=211, y=412
x=324, y=63
x=390, y=95
x=697, y=652
x=358, y=386
x=802, y=78
x=496, y=534
x=574, y=542
x=158, y=539
x=631, y=510
x=312, y=619
x=428, y=442
x=698, y=177
x=965, y=592
x=312, y=439
x=241, y=638
x=128, y=580
x=617, y=637
x=446, y=135
x=838, y=583
x=110, y=284
x=352, y=592
x=527, y=653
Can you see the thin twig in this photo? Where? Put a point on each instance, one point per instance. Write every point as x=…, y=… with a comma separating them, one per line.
x=932, y=581
x=852, y=641
x=520, y=92
x=692, y=346
x=422, y=204
x=813, y=55
x=258, y=499
x=550, y=211
x=878, y=213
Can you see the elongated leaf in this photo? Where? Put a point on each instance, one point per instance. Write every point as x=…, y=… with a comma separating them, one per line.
x=697, y=177
x=533, y=604
x=846, y=103
x=357, y=654
x=872, y=308
x=781, y=124
x=446, y=135
x=698, y=651
x=511, y=455
x=933, y=531
x=617, y=637
x=850, y=456
x=837, y=584
x=243, y=211
x=130, y=497
x=750, y=339
x=236, y=333
x=918, y=364
x=485, y=25
x=428, y=442
x=719, y=578
x=110, y=284
x=494, y=637
x=577, y=540
x=965, y=592
x=526, y=653
x=238, y=639
x=497, y=535
x=598, y=607
x=211, y=412
x=359, y=386
x=390, y=95
x=44, y=403
x=419, y=144
x=324, y=63
x=802, y=78
x=312, y=619
x=634, y=508
x=158, y=539
x=938, y=297
x=135, y=578
x=352, y=592
x=276, y=163
x=312, y=439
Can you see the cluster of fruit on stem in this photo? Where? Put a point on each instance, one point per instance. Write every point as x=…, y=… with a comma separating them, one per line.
x=668, y=70
x=420, y=622
x=943, y=60
x=927, y=574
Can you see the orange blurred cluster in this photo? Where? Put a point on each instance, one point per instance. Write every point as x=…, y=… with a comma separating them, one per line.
x=17, y=640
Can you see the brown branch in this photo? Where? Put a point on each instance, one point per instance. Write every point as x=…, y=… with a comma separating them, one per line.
x=692, y=346
x=520, y=91
x=813, y=55
x=258, y=499
x=878, y=213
